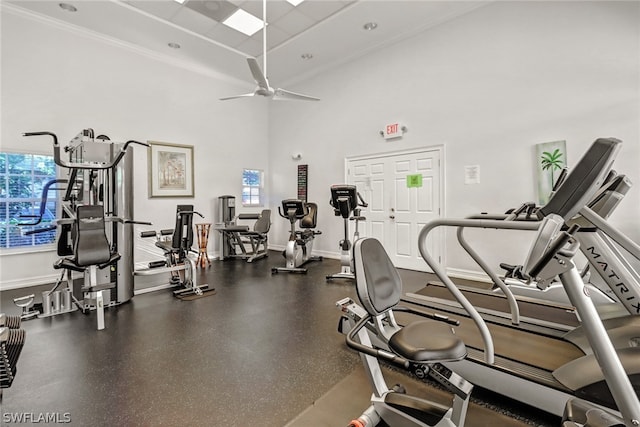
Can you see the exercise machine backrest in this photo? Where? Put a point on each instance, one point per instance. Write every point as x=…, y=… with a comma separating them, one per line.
x=583, y=180
x=91, y=246
x=263, y=223
x=183, y=232
x=310, y=220
x=379, y=285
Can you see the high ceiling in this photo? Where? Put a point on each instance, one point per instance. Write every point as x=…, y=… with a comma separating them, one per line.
x=330, y=31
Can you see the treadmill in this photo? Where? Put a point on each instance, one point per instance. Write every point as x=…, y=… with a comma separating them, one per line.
x=536, y=365
x=610, y=298
x=543, y=306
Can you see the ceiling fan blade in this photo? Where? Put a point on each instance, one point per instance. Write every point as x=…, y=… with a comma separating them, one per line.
x=245, y=95
x=285, y=95
x=260, y=78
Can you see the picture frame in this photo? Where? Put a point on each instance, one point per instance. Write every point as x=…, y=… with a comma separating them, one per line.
x=551, y=157
x=171, y=172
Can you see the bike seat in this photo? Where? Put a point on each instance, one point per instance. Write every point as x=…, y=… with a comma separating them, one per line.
x=427, y=341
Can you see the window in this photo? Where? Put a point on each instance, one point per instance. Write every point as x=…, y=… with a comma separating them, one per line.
x=22, y=178
x=252, y=187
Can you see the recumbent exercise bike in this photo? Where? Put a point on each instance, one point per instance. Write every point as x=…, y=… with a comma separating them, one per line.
x=300, y=244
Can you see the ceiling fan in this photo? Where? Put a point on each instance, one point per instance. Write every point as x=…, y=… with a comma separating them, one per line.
x=260, y=77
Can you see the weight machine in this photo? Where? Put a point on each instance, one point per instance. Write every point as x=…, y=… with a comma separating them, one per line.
x=97, y=201
x=176, y=245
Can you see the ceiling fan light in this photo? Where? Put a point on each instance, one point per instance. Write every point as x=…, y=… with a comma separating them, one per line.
x=68, y=7
x=370, y=26
x=244, y=22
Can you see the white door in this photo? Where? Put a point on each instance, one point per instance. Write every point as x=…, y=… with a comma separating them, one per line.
x=404, y=192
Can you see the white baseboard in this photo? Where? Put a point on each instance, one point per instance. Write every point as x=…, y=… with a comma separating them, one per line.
x=43, y=280
x=28, y=282
x=459, y=273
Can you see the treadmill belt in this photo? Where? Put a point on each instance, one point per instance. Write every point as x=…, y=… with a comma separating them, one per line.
x=543, y=352
x=498, y=302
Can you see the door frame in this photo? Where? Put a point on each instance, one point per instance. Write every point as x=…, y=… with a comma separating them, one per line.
x=440, y=148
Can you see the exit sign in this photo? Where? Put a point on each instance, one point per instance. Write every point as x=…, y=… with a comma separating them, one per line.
x=392, y=130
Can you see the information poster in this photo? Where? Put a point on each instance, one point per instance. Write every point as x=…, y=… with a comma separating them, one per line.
x=303, y=172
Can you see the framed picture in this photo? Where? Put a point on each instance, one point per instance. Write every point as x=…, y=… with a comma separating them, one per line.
x=551, y=158
x=170, y=170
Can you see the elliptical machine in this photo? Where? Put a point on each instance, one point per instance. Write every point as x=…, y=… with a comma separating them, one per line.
x=346, y=202
x=298, y=250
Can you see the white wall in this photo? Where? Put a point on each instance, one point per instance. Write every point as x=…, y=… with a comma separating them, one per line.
x=63, y=81
x=489, y=86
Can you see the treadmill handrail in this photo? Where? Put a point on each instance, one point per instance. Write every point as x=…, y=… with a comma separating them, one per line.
x=616, y=235
x=511, y=299
x=489, y=354
x=442, y=275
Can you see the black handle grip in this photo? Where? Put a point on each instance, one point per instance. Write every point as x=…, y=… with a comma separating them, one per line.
x=556, y=245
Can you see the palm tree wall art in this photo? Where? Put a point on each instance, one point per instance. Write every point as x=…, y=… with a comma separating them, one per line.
x=551, y=157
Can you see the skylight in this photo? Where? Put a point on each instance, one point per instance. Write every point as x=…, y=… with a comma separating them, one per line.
x=295, y=2
x=244, y=22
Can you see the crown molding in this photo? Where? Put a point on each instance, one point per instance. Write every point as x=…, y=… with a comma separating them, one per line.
x=112, y=41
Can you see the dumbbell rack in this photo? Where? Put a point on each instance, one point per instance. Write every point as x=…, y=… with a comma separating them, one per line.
x=11, y=343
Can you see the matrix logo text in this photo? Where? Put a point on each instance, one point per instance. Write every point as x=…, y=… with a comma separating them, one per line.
x=36, y=417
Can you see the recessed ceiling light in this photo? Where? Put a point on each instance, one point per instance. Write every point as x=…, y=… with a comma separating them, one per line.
x=173, y=45
x=370, y=26
x=295, y=2
x=68, y=7
x=244, y=22
x=306, y=56
x=180, y=1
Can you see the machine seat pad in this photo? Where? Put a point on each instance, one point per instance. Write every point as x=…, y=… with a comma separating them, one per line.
x=236, y=228
x=254, y=234
x=305, y=235
x=68, y=264
x=112, y=259
x=427, y=341
x=167, y=246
